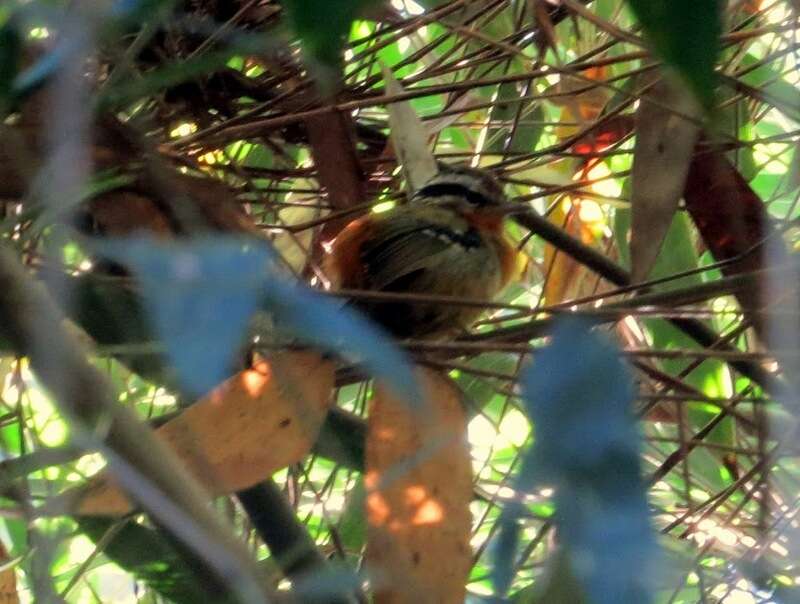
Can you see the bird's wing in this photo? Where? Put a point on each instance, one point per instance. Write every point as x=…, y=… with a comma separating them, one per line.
x=403, y=244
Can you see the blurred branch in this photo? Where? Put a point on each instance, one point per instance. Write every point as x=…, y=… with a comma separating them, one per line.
x=292, y=547
x=33, y=325
x=276, y=523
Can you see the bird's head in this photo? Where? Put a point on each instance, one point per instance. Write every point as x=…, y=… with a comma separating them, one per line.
x=462, y=187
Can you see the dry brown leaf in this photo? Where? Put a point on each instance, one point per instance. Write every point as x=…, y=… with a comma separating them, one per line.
x=259, y=421
x=419, y=486
x=409, y=137
x=735, y=225
x=8, y=579
x=664, y=144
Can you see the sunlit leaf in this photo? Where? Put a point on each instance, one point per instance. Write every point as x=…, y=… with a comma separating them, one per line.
x=409, y=137
x=566, y=278
x=419, y=485
x=221, y=437
x=665, y=141
x=779, y=90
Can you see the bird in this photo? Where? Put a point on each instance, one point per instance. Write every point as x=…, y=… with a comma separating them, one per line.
x=448, y=239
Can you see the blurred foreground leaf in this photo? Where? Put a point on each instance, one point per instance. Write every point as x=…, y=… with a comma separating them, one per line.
x=200, y=297
x=201, y=294
x=579, y=396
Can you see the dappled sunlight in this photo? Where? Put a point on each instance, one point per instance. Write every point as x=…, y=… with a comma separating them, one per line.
x=419, y=508
x=257, y=379
x=419, y=486
x=645, y=153
x=429, y=511
x=378, y=509
x=257, y=422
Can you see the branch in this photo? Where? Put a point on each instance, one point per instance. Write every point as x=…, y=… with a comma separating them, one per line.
x=289, y=542
x=611, y=271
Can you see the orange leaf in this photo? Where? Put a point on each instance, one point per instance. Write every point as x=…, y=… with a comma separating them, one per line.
x=565, y=277
x=259, y=421
x=609, y=132
x=585, y=100
x=751, y=7
x=419, y=486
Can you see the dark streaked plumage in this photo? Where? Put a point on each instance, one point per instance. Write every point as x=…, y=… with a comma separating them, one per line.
x=448, y=240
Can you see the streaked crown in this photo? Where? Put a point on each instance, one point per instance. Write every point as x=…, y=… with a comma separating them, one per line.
x=476, y=186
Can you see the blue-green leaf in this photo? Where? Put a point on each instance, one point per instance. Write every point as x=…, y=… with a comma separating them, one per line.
x=318, y=320
x=686, y=34
x=579, y=395
x=200, y=297
x=201, y=294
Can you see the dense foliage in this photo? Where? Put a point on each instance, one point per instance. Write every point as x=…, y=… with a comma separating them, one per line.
x=168, y=168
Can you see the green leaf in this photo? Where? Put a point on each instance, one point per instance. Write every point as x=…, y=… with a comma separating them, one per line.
x=322, y=27
x=686, y=34
x=526, y=135
x=480, y=390
x=737, y=122
x=353, y=524
x=678, y=255
x=765, y=77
